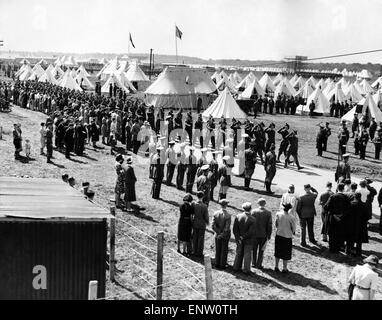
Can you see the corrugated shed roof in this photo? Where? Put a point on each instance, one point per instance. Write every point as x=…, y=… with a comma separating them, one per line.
x=36, y=198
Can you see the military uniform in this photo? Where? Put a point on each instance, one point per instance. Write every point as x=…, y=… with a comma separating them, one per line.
x=213, y=176
x=224, y=180
x=343, y=138
x=292, y=150
x=181, y=169
x=191, y=172
x=270, y=168
x=211, y=132
x=203, y=183
x=284, y=142
x=271, y=133
x=342, y=172
x=250, y=164
x=377, y=144
x=157, y=174
x=320, y=140
x=327, y=133
x=363, y=140
x=171, y=164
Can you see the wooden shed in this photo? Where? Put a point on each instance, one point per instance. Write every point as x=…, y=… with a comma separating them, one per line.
x=53, y=241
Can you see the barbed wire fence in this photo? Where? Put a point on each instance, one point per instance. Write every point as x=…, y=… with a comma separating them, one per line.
x=151, y=268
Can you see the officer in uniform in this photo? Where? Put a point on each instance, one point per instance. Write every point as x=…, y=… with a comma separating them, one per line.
x=292, y=149
x=203, y=183
x=250, y=164
x=178, y=122
x=181, y=167
x=188, y=127
x=235, y=126
x=343, y=138
x=224, y=178
x=320, y=140
x=240, y=154
x=202, y=161
x=284, y=131
x=223, y=130
x=158, y=173
x=377, y=144
x=343, y=170
x=355, y=124
x=363, y=140
x=328, y=132
x=170, y=162
x=211, y=131
x=199, y=126
x=191, y=170
x=270, y=167
x=213, y=173
x=271, y=133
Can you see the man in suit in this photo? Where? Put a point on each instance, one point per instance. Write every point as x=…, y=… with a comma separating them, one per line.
x=262, y=232
x=221, y=225
x=324, y=197
x=243, y=228
x=306, y=212
x=199, y=223
x=157, y=173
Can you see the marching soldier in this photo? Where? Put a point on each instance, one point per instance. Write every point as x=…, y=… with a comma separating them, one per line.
x=270, y=167
x=250, y=164
x=181, y=167
x=170, y=162
x=203, y=183
x=343, y=138
x=292, y=149
x=343, y=170
x=213, y=174
x=271, y=133
x=328, y=132
x=158, y=173
x=377, y=144
x=284, y=131
x=191, y=170
x=320, y=140
x=363, y=140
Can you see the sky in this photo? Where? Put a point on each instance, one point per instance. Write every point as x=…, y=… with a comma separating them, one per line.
x=216, y=29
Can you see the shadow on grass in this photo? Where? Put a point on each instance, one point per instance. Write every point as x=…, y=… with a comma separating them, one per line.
x=171, y=202
x=296, y=279
x=89, y=157
x=119, y=284
x=265, y=193
x=57, y=165
x=77, y=161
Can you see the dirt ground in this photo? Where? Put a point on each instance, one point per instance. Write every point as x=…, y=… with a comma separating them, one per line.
x=315, y=274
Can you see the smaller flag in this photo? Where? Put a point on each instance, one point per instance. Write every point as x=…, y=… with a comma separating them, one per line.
x=131, y=40
x=178, y=33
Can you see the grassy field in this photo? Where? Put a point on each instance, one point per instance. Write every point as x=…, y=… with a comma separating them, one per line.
x=315, y=273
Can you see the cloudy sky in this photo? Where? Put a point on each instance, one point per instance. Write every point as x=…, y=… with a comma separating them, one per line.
x=245, y=29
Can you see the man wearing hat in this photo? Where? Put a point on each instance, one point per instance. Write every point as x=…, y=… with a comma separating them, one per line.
x=363, y=140
x=181, y=167
x=199, y=224
x=243, y=230
x=355, y=124
x=343, y=138
x=370, y=197
x=320, y=140
x=271, y=133
x=188, y=127
x=211, y=131
x=327, y=133
x=136, y=128
x=171, y=162
x=222, y=131
x=202, y=161
x=224, y=178
x=49, y=143
x=372, y=128
x=284, y=131
x=365, y=279
x=249, y=164
x=323, y=199
x=262, y=232
x=130, y=180
x=377, y=145
x=157, y=174
x=204, y=184
x=213, y=174
x=343, y=169
x=292, y=149
x=199, y=130
x=270, y=168
x=69, y=140
x=191, y=170
x=221, y=225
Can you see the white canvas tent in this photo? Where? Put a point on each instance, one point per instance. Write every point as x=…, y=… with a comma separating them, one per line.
x=321, y=84
x=26, y=73
x=126, y=82
x=237, y=77
x=365, y=85
x=224, y=105
x=337, y=94
x=266, y=83
x=22, y=69
x=180, y=87
x=368, y=106
x=114, y=80
x=305, y=91
x=69, y=83
x=47, y=77
x=233, y=80
x=364, y=74
x=82, y=70
x=313, y=81
x=254, y=88
x=277, y=79
x=322, y=104
x=69, y=62
x=248, y=79
x=299, y=83
x=352, y=93
x=225, y=83
x=135, y=74
x=284, y=87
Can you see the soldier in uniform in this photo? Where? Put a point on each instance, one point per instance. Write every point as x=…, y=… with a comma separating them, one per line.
x=355, y=124
x=328, y=132
x=356, y=143
x=49, y=142
x=320, y=140
x=202, y=161
x=211, y=131
x=372, y=128
x=199, y=126
x=240, y=154
x=178, y=121
x=235, y=126
x=270, y=167
x=343, y=170
x=284, y=131
x=343, y=138
x=157, y=173
x=203, y=184
x=188, y=127
x=363, y=140
x=271, y=133
x=170, y=162
x=191, y=170
x=181, y=167
x=377, y=144
x=222, y=131
x=250, y=164
x=292, y=149
x=213, y=174
x=224, y=178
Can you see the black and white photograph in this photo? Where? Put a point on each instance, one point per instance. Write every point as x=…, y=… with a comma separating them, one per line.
x=208, y=152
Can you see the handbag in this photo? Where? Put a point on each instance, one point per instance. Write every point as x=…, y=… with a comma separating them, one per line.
x=350, y=290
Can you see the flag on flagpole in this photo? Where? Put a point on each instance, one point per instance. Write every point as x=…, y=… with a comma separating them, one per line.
x=178, y=33
x=131, y=40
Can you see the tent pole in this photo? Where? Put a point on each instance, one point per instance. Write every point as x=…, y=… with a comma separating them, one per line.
x=176, y=48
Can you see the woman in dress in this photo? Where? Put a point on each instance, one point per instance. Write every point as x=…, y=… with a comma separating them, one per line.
x=185, y=224
x=364, y=279
x=285, y=229
x=129, y=186
x=120, y=181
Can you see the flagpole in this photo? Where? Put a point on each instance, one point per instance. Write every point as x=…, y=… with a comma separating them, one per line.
x=128, y=48
x=176, y=47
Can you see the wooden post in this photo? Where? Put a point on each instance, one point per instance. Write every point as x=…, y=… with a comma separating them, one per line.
x=1, y=133
x=208, y=269
x=92, y=293
x=160, y=265
x=112, y=246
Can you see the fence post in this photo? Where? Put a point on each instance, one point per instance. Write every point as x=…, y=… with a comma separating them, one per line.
x=92, y=293
x=208, y=269
x=160, y=265
x=112, y=246
x=1, y=133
